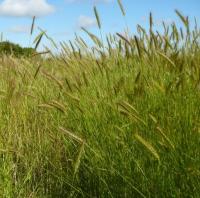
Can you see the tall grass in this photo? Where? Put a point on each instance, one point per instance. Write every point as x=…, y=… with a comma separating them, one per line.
x=118, y=121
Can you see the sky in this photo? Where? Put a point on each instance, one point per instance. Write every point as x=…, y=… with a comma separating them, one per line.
x=63, y=18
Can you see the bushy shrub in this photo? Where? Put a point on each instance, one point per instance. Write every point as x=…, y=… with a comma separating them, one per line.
x=7, y=47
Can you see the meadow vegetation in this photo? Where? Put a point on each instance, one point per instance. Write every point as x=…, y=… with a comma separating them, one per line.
x=120, y=118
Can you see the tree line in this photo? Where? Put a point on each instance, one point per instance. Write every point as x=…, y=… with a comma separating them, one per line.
x=9, y=48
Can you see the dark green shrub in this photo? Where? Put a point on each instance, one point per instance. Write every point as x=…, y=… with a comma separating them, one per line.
x=8, y=48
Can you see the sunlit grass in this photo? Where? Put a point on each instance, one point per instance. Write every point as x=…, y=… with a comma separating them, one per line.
x=120, y=119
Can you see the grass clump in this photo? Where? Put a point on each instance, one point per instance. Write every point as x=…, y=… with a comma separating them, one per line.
x=121, y=120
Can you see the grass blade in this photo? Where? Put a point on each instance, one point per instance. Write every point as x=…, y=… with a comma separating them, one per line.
x=148, y=146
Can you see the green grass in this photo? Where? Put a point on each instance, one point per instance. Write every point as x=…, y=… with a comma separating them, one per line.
x=120, y=121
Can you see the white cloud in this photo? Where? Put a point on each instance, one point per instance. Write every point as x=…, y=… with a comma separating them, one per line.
x=103, y=1
x=92, y=1
x=19, y=29
x=24, y=8
x=86, y=22
x=61, y=34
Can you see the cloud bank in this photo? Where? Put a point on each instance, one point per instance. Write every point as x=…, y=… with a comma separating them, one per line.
x=25, y=8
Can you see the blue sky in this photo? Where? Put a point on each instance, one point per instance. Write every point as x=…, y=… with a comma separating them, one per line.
x=62, y=18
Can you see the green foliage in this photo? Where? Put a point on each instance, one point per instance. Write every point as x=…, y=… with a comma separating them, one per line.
x=123, y=121
x=7, y=47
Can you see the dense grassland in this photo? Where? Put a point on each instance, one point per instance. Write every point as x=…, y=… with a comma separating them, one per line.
x=119, y=119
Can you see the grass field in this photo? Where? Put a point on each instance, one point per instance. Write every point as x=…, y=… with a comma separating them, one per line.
x=119, y=119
